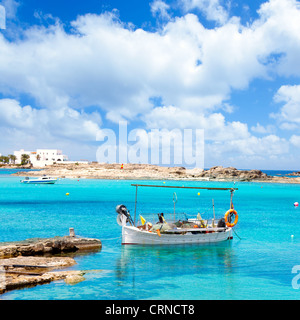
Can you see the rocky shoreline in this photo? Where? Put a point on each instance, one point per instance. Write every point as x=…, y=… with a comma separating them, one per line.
x=294, y=174
x=35, y=261
x=154, y=172
x=35, y=247
x=20, y=272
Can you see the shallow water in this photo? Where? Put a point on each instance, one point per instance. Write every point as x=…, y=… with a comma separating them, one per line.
x=257, y=267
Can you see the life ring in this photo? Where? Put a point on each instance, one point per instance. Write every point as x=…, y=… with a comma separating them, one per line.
x=231, y=224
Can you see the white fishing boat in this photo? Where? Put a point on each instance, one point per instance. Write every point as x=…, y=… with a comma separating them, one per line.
x=40, y=180
x=169, y=232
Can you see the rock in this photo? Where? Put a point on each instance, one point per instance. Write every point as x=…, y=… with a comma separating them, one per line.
x=74, y=278
x=231, y=173
x=51, y=262
x=20, y=267
x=297, y=173
x=21, y=272
x=33, y=247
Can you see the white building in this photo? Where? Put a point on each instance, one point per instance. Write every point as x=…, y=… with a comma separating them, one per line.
x=41, y=157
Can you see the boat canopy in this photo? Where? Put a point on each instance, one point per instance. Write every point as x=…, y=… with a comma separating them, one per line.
x=181, y=187
x=178, y=187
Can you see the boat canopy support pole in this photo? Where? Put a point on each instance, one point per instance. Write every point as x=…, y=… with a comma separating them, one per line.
x=136, y=189
x=174, y=201
x=231, y=196
x=213, y=203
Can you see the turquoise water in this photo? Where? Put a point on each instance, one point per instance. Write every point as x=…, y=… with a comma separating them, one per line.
x=257, y=267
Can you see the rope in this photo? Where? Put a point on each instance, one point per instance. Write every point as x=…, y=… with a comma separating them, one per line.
x=236, y=234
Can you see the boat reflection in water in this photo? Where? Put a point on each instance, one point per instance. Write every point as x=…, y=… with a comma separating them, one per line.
x=157, y=272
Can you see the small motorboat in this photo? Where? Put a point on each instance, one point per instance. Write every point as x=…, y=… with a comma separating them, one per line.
x=186, y=231
x=40, y=180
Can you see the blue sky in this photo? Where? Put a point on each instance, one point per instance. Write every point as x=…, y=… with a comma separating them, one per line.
x=71, y=68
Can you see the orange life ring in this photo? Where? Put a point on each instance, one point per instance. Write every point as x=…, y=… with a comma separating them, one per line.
x=228, y=224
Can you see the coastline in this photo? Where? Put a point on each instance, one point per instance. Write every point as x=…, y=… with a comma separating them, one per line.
x=154, y=172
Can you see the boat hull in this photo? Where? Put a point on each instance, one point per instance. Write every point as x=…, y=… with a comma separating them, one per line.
x=38, y=182
x=132, y=235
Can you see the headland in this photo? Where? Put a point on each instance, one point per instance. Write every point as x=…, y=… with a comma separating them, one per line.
x=154, y=172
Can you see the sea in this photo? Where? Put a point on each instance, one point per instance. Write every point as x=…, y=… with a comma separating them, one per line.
x=261, y=262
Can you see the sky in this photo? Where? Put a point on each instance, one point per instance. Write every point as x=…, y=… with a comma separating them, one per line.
x=69, y=69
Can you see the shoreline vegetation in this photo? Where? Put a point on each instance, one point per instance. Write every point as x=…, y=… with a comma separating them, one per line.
x=152, y=172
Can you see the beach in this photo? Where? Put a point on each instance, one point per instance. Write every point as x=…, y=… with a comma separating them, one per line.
x=154, y=172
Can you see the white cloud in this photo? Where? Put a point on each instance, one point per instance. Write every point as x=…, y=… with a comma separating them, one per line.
x=289, y=113
x=265, y=152
x=11, y=7
x=277, y=30
x=250, y=150
x=229, y=143
x=214, y=125
x=212, y=9
x=160, y=8
x=263, y=129
x=268, y=145
x=109, y=65
x=63, y=123
x=295, y=140
x=288, y=126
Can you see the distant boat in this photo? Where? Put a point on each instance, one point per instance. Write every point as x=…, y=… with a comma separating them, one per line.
x=41, y=180
x=191, y=231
